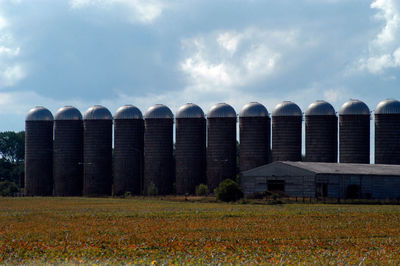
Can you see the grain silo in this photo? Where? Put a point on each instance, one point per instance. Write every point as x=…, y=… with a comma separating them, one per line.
x=387, y=132
x=158, y=148
x=286, y=132
x=97, y=152
x=321, y=133
x=221, y=148
x=128, y=150
x=68, y=152
x=190, y=148
x=255, y=136
x=354, y=127
x=39, y=152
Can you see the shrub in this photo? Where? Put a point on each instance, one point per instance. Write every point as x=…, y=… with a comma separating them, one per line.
x=228, y=190
x=152, y=190
x=8, y=188
x=201, y=190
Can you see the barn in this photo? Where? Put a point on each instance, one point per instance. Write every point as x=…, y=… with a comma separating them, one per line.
x=331, y=180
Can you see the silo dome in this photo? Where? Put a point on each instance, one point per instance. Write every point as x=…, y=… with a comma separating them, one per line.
x=221, y=110
x=320, y=108
x=287, y=108
x=158, y=111
x=354, y=107
x=39, y=113
x=128, y=111
x=68, y=113
x=253, y=109
x=190, y=110
x=389, y=106
x=97, y=112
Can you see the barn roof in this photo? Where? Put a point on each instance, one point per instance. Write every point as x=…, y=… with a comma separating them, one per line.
x=311, y=168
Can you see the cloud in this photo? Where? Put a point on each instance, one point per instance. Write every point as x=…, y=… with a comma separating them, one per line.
x=11, y=69
x=224, y=61
x=384, y=50
x=142, y=11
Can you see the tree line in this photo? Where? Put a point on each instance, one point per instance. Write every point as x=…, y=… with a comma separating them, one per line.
x=12, y=151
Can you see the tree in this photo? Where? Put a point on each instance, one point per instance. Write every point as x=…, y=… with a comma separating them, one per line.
x=12, y=146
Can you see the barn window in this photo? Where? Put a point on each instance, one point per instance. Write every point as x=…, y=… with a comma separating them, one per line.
x=276, y=185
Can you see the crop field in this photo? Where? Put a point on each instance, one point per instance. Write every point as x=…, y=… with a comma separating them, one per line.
x=162, y=231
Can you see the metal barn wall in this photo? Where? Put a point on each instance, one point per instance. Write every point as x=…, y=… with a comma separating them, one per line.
x=158, y=157
x=190, y=154
x=286, y=138
x=387, y=138
x=255, y=141
x=128, y=156
x=97, y=143
x=321, y=138
x=68, y=157
x=354, y=138
x=38, y=158
x=221, y=150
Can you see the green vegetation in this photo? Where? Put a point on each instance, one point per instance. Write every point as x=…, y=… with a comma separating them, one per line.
x=228, y=190
x=202, y=190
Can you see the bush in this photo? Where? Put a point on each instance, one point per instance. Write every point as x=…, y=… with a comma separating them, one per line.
x=8, y=188
x=228, y=190
x=201, y=190
x=152, y=190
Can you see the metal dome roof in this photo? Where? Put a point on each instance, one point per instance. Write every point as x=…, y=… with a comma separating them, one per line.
x=253, y=109
x=389, y=106
x=159, y=111
x=287, y=108
x=190, y=110
x=97, y=112
x=354, y=107
x=39, y=113
x=128, y=111
x=320, y=108
x=221, y=110
x=68, y=113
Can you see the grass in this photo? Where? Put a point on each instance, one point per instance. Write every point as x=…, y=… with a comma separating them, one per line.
x=145, y=231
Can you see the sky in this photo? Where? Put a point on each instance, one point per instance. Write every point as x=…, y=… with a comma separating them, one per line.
x=145, y=52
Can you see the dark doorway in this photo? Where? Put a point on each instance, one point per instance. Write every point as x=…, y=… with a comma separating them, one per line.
x=276, y=185
x=322, y=190
x=353, y=192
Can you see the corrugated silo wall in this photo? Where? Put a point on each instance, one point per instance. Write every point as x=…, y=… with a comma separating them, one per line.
x=221, y=151
x=190, y=154
x=387, y=139
x=354, y=138
x=158, y=158
x=286, y=138
x=128, y=156
x=38, y=158
x=97, y=157
x=321, y=138
x=255, y=142
x=68, y=157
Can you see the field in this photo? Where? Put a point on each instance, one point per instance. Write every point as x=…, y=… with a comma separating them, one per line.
x=157, y=231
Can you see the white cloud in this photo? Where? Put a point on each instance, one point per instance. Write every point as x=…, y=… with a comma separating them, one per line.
x=226, y=61
x=384, y=50
x=142, y=11
x=11, y=70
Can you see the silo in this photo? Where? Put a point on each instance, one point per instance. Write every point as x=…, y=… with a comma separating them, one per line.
x=190, y=148
x=39, y=152
x=221, y=148
x=128, y=150
x=321, y=133
x=97, y=151
x=68, y=152
x=354, y=127
x=286, y=132
x=158, y=148
x=255, y=136
x=387, y=132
